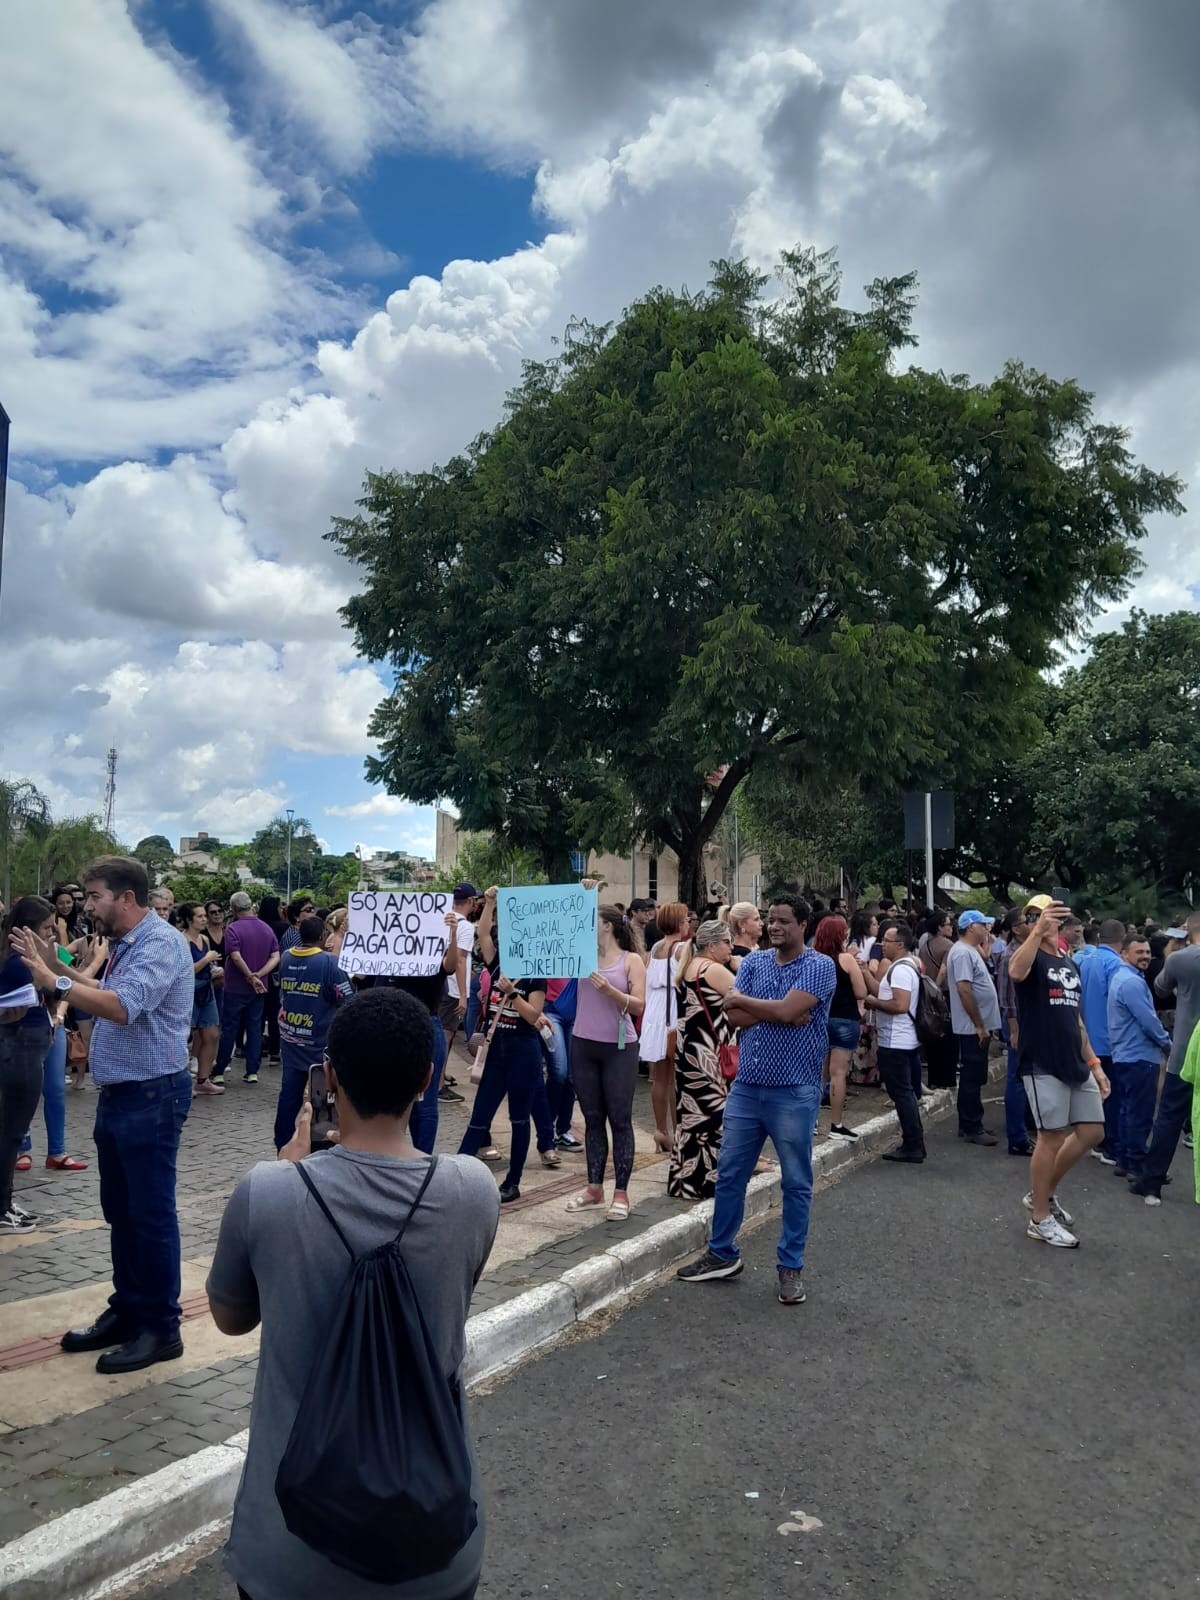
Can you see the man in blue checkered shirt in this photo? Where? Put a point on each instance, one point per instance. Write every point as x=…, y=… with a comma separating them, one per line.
x=780, y=1001
x=142, y=1003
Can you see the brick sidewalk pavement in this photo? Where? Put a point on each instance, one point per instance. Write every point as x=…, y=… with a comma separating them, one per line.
x=68, y=1435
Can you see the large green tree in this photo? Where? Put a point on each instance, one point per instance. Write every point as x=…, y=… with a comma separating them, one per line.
x=24, y=815
x=1116, y=784
x=156, y=854
x=267, y=853
x=733, y=532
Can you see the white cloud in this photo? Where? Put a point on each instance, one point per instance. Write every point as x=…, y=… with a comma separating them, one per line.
x=181, y=600
x=337, y=82
x=379, y=805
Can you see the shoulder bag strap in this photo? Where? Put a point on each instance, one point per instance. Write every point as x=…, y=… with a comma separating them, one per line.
x=316, y=1194
x=420, y=1196
x=700, y=996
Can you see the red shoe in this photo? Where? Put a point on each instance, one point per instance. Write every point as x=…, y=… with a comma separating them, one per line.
x=65, y=1164
x=24, y=1163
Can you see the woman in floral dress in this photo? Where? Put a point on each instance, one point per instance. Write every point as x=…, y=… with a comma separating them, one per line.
x=704, y=980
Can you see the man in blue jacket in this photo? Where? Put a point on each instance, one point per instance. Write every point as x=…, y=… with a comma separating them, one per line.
x=1097, y=963
x=1138, y=1040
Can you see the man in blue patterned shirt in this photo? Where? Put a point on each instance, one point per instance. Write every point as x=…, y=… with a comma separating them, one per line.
x=142, y=1003
x=780, y=1001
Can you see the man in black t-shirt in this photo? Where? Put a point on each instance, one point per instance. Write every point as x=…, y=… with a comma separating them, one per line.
x=1064, y=1081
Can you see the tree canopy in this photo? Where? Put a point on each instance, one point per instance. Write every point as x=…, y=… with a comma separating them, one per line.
x=733, y=532
x=156, y=854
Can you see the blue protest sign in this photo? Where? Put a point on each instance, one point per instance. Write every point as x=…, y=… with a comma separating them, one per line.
x=548, y=931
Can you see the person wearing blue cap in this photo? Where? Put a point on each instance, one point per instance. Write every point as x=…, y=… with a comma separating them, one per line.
x=974, y=1013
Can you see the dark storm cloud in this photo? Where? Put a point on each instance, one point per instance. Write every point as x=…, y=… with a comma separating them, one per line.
x=590, y=59
x=793, y=135
x=1073, y=131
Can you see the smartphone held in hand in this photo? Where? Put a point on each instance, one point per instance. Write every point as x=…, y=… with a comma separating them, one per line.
x=324, y=1109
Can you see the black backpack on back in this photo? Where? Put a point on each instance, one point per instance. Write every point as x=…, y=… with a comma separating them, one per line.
x=376, y=1476
x=932, y=1017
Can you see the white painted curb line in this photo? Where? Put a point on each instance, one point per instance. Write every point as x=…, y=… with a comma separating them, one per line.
x=92, y=1550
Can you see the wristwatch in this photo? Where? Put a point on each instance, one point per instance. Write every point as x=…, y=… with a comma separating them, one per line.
x=63, y=985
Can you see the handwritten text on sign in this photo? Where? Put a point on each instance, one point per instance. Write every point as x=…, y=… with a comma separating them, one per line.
x=395, y=935
x=548, y=931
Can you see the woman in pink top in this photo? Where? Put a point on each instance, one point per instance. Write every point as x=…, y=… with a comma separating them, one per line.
x=604, y=1060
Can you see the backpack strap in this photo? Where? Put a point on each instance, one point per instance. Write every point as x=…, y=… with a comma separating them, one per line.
x=420, y=1196
x=316, y=1194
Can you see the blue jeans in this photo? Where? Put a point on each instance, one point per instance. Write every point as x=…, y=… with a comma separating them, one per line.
x=293, y=1079
x=235, y=1008
x=54, y=1097
x=513, y=1068
x=137, y=1140
x=560, y=1091
x=753, y=1113
x=1014, y=1105
x=1134, y=1088
x=474, y=1005
x=972, y=1075
x=423, y=1120
x=1111, y=1141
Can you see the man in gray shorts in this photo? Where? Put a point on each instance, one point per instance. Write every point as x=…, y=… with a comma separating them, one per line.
x=1064, y=1081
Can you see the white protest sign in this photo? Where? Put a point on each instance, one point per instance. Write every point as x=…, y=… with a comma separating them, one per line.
x=395, y=935
x=548, y=931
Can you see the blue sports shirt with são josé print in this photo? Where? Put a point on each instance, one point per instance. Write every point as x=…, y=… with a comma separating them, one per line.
x=777, y=1054
x=311, y=986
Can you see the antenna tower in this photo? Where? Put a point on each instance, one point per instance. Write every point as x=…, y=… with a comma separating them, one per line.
x=110, y=793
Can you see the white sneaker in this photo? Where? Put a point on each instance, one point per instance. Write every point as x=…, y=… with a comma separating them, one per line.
x=1152, y=1199
x=1058, y=1212
x=1105, y=1161
x=1051, y=1231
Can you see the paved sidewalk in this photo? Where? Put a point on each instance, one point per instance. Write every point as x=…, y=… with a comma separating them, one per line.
x=68, y=1435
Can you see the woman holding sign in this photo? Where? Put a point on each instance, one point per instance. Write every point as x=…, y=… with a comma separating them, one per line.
x=513, y=1065
x=604, y=1059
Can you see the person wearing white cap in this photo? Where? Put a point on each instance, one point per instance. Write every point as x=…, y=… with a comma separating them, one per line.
x=974, y=1015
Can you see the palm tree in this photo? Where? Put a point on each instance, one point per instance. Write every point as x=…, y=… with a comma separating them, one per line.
x=23, y=806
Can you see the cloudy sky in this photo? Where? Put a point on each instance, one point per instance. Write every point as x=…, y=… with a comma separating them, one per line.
x=250, y=249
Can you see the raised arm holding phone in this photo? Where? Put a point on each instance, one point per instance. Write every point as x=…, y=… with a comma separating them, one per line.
x=1064, y=1081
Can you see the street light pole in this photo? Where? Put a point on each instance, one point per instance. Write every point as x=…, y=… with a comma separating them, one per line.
x=290, y=814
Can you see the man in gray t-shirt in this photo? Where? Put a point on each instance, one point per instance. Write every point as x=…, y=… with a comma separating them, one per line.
x=279, y=1261
x=974, y=1013
x=1180, y=976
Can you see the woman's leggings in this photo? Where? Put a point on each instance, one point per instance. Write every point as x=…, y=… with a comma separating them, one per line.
x=605, y=1078
x=22, y=1052
x=54, y=1097
x=513, y=1068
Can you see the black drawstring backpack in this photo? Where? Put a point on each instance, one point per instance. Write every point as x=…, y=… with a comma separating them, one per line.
x=376, y=1476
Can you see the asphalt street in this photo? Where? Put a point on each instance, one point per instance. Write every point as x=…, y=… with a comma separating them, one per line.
x=956, y=1411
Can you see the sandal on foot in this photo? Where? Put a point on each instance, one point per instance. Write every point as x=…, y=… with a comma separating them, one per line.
x=65, y=1164
x=583, y=1202
x=24, y=1162
x=551, y=1157
x=619, y=1211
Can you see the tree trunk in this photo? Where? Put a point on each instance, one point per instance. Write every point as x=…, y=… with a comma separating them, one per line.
x=693, y=890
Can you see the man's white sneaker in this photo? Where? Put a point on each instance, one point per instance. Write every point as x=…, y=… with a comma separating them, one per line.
x=1058, y=1212
x=1104, y=1160
x=1051, y=1231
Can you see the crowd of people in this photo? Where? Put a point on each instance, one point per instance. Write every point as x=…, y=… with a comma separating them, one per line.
x=744, y=1025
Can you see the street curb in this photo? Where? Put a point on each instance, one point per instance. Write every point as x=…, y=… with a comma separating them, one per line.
x=93, y=1550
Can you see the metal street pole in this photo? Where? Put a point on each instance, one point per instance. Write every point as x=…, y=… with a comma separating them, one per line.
x=929, y=883
x=290, y=815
